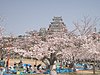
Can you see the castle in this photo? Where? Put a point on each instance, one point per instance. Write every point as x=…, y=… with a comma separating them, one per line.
x=57, y=26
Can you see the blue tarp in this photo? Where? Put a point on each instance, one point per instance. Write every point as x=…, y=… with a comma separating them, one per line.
x=26, y=65
x=47, y=72
x=66, y=70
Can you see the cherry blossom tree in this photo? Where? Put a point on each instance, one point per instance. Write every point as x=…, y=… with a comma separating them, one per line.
x=1, y=36
x=60, y=46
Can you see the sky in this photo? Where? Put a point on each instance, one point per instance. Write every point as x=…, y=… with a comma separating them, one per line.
x=25, y=15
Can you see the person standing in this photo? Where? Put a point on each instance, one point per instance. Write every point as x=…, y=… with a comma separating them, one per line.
x=53, y=70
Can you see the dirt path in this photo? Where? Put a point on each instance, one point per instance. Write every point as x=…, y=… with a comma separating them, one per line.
x=25, y=61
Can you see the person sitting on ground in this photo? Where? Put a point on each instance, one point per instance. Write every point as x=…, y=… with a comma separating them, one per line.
x=15, y=65
x=1, y=71
x=30, y=68
x=27, y=69
x=20, y=64
x=18, y=72
x=38, y=67
x=53, y=70
x=35, y=69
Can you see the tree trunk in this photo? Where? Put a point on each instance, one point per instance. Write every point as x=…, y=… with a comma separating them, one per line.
x=52, y=71
x=0, y=53
x=94, y=68
x=94, y=65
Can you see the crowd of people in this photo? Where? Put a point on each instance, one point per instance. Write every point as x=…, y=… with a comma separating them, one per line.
x=18, y=68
